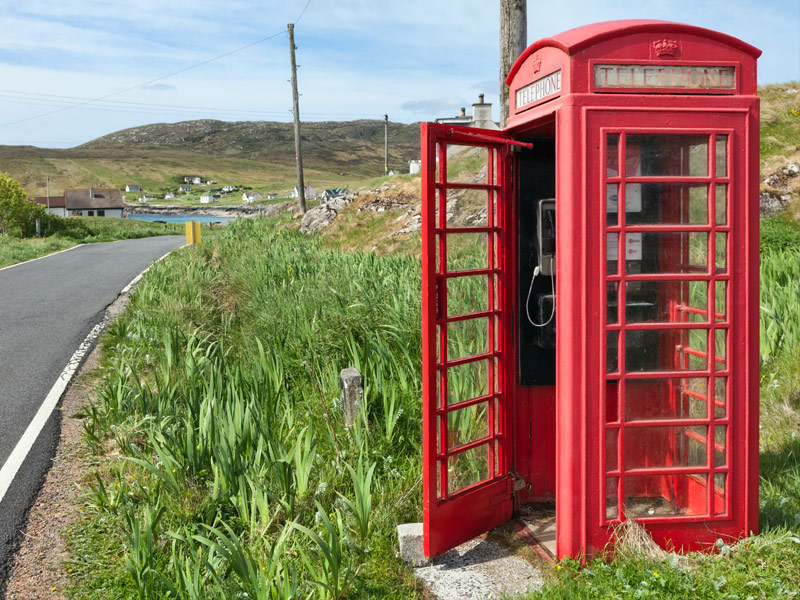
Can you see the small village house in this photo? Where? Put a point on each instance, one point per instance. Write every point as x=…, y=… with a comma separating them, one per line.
x=332, y=193
x=310, y=192
x=132, y=187
x=185, y=188
x=251, y=197
x=55, y=205
x=94, y=202
x=169, y=196
x=228, y=188
x=207, y=198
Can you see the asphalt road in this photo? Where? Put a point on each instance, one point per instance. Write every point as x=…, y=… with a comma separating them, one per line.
x=47, y=308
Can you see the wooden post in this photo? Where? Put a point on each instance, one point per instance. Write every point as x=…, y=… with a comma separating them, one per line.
x=301, y=188
x=513, y=41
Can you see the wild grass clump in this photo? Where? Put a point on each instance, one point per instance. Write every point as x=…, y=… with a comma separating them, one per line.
x=235, y=473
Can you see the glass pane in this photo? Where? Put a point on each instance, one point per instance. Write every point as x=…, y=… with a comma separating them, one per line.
x=720, y=397
x=612, y=446
x=695, y=392
x=612, y=511
x=467, y=425
x=652, y=399
x=720, y=349
x=467, y=381
x=661, y=447
x=612, y=252
x=722, y=252
x=467, y=468
x=722, y=156
x=612, y=351
x=721, y=203
x=467, y=338
x=719, y=436
x=467, y=295
x=463, y=162
x=721, y=300
x=666, y=302
x=668, y=155
x=665, y=204
x=719, y=493
x=672, y=252
x=612, y=302
x=657, y=496
x=467, y=208
x=612, y=155
x=612, y=201
x=666, y=350
x=466, y=251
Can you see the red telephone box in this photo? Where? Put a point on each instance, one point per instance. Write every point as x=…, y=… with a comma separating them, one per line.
x=606, y=359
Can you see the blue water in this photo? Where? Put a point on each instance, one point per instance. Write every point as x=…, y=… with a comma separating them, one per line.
x=180, y=218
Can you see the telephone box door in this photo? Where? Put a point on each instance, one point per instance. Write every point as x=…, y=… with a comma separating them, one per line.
x=465, y=322
x=674, y=283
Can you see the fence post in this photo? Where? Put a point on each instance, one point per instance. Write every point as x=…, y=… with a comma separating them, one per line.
x=352, y=394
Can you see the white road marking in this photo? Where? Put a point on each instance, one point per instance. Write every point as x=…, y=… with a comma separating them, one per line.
x=17, y=457
x=41, y=257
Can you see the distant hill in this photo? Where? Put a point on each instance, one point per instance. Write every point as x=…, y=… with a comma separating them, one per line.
x=254, y=153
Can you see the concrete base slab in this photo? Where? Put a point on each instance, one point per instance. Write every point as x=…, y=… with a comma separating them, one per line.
x=410, y=540
x=479, y=570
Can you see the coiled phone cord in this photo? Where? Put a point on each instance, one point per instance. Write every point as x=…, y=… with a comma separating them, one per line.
x=536, y=271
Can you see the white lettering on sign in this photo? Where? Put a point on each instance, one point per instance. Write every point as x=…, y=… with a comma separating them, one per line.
x=541, y=88
x=665, y=76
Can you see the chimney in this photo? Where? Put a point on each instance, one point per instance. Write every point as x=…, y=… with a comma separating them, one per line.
x=91, y=193
x=463, y=112
x=482, y=114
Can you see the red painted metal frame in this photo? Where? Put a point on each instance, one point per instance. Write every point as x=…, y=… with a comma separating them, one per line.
x=738, y=515
x=486, y=503
x=583, y=394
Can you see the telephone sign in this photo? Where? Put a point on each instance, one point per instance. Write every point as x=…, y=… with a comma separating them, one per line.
x=590, y=334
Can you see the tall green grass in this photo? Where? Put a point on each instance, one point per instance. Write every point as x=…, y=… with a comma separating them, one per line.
x=236, y=474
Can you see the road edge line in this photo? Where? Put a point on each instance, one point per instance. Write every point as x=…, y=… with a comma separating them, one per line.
x=15, y=460
x=25, y=262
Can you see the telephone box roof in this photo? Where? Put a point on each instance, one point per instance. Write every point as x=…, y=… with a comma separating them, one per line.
x=573, y=41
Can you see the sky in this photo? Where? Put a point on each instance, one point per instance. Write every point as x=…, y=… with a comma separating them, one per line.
x=73, y=70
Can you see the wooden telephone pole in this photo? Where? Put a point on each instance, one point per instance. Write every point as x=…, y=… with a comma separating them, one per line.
x=301, y=188
x=513, y=41
x=385, y=144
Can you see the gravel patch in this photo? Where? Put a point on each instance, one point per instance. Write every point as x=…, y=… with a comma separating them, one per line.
x=479, y=570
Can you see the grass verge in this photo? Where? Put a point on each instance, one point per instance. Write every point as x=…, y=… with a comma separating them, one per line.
x=70, y=232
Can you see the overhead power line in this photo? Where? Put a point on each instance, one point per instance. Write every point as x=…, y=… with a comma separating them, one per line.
x=55, y=100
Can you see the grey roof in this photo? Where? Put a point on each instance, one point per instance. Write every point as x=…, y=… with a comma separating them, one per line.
x=80, y=199
x=55, y=201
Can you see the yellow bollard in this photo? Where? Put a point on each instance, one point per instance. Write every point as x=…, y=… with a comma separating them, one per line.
x=193, y=232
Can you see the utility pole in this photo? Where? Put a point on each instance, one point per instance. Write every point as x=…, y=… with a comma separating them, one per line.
x=513, y=41
x=385, y=144
x=301, y=188
x=48, y=193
